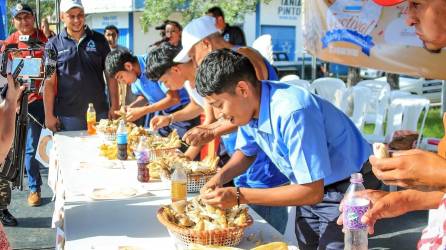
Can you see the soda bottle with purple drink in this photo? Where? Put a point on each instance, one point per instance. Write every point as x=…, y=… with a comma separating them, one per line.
x=142, y=156
x=355, y=235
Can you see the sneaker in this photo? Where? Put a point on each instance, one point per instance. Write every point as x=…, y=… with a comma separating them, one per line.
x=7, y=219
x=34, y=199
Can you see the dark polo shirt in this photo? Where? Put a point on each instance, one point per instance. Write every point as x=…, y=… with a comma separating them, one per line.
x=80, y=68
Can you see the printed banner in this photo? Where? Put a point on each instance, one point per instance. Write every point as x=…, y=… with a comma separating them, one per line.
x=361, y=33
x=44, y=147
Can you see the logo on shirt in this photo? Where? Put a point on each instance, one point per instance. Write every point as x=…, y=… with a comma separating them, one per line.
x=227, y=37
x=91, y=46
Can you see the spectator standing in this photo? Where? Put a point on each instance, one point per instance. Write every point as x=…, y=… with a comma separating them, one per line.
x=232, y=34
x=79, y=74
x=111, y=33
x=173, y=33
x=44, y=25
x=23, y=20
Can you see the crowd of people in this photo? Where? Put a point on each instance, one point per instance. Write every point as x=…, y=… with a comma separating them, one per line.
x=275, y=138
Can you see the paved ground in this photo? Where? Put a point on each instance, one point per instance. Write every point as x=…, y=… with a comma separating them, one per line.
x=34, y=230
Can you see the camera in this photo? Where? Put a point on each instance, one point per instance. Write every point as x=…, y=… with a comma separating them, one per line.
x=28, y=69
x=34, y=67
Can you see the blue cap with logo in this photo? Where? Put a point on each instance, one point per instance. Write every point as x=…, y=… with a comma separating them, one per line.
x=21, y=8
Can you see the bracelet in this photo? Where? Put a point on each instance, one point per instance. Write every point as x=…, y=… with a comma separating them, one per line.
x=171, y=119
x=238, y=196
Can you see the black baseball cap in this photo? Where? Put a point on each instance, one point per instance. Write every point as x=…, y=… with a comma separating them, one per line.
x=21, y=8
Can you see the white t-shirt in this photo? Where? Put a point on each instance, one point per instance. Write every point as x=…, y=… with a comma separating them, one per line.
x=198, y=99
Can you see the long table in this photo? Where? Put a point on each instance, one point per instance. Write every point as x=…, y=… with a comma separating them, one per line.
x=85, y=223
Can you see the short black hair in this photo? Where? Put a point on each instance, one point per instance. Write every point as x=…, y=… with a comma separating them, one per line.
x=221, y=70
x=160, y=59
x=115, y=60
x=112, y=27
x=216, y=12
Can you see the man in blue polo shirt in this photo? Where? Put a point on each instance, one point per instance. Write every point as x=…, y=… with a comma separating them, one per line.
x=79, y=77
x=314, y=144
x=129, y=69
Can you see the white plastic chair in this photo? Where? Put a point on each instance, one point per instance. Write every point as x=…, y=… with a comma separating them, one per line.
x=288, y=78
x=361, y=102
x=398, y=93
x=264, y=45
x=328, y=88
x=404, y=113
x=379, y=103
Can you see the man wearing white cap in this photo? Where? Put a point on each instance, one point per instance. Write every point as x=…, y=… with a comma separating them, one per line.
x=79, y=79
x=199, y=38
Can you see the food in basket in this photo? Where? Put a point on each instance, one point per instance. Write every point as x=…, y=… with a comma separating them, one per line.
x=173, y=140
x=109, y=151
x=164, y=165
x=196, y=215
x=111, y=126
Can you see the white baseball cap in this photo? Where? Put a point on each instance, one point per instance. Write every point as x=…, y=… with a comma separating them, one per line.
x=66, y=5
x=195, y=31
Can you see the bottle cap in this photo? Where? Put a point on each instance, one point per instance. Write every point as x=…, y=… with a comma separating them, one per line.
x=356, y=178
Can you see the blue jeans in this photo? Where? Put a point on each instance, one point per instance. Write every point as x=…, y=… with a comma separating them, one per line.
x=32, y=139
x=75, y=123
x=275, y=216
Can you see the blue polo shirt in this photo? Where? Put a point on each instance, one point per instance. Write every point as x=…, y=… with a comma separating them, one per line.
x=306, y=137
x=155, y=91
x=80, y=73
x=262, y=173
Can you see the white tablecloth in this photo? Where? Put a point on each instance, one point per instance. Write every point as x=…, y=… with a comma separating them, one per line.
x=77, y=169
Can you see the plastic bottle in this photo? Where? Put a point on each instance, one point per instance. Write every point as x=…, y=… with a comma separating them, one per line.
x=355, y=236
x=142, y=155
x=179, y=183
x=91, y=119
x=121, y=136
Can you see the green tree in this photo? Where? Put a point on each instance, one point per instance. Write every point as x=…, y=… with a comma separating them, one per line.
x=46, y=9
x=156, y=11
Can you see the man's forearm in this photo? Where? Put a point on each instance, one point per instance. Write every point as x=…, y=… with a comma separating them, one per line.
x=222, y=127
x=7, y=127
x=139, y=102
x=113, y=92
x=49, y=95
x=418, y=200
x=290, y=195
x=237, y=165
x=191, y=111
x=165, y=103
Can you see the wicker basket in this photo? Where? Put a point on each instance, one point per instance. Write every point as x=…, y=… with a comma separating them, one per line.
x=223, y=237
x=194, y=181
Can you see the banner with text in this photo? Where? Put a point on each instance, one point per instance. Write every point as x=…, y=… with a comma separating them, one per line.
x=364, y=34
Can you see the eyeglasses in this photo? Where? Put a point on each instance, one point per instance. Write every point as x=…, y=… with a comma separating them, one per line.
x=26, y=17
